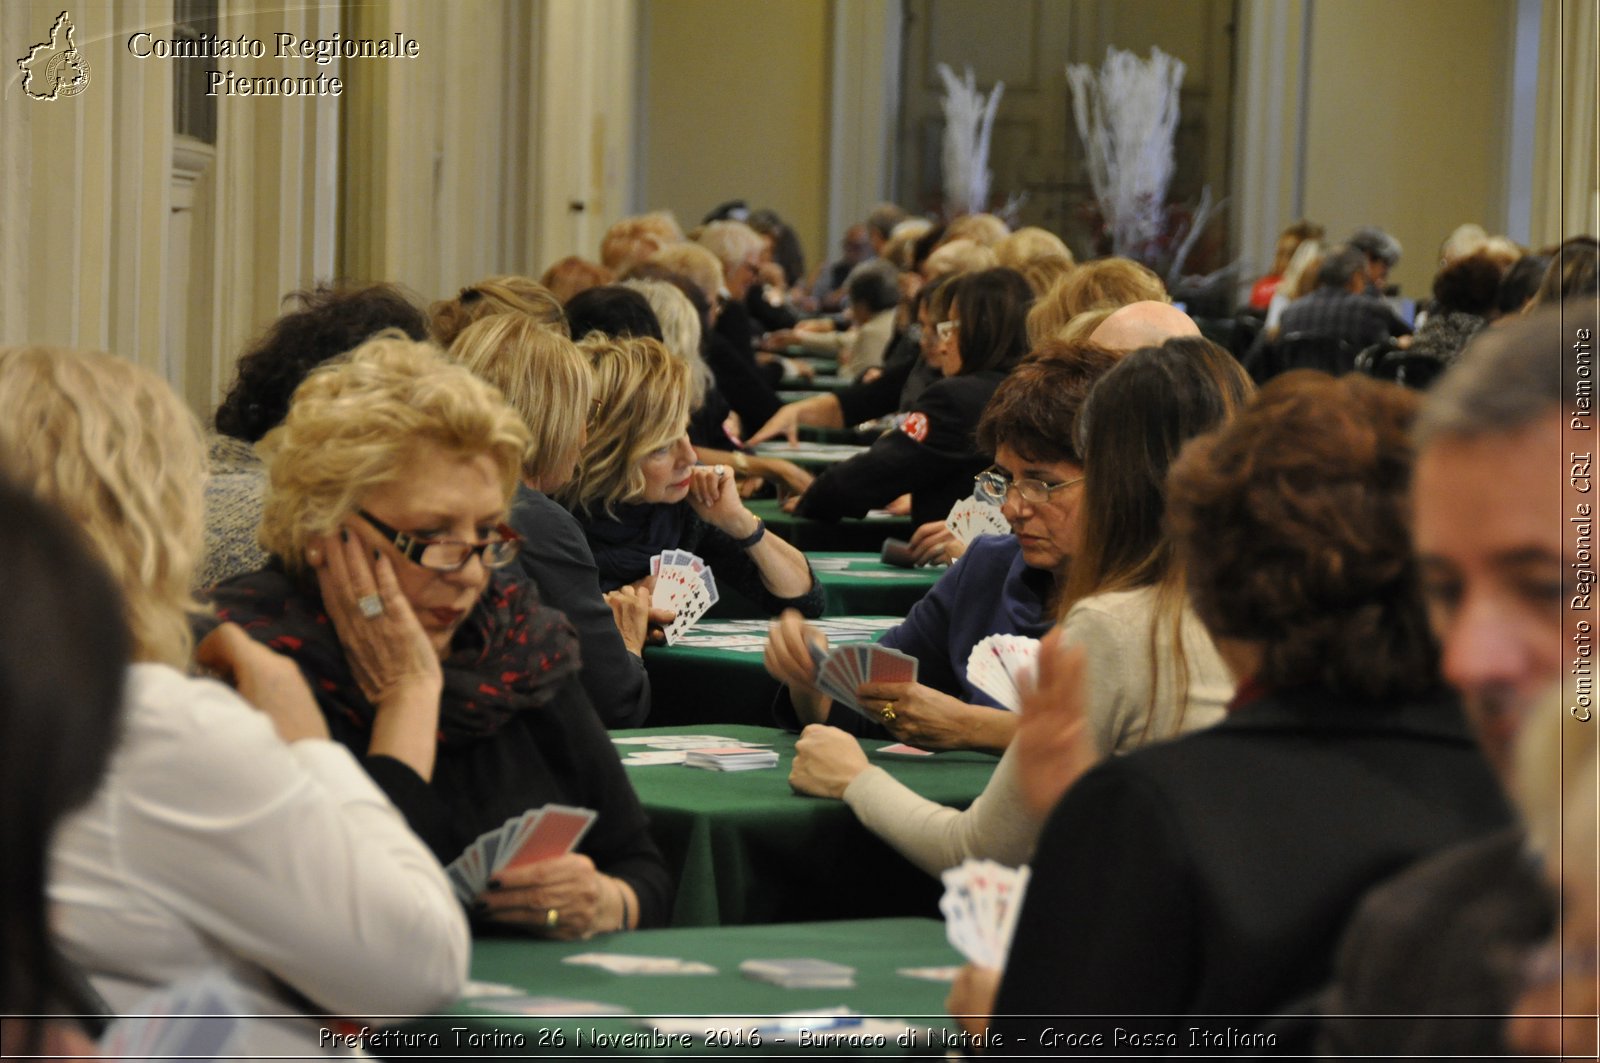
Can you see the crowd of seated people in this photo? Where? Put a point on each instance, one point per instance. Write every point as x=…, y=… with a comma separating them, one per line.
x=400, y=588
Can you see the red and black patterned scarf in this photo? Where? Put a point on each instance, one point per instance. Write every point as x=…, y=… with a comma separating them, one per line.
x=510, y=655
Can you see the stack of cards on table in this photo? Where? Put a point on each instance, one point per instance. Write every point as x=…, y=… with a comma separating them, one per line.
x=997, y=664
x=972, y=517
x=685, y=585
x=980, y=905
x=800, y=973
x=844, y=668
x=537, y=834
x=731, y=758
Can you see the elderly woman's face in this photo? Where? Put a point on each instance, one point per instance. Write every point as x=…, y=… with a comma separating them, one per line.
x=444, y=495
x=1047, y=531
x=668, y=471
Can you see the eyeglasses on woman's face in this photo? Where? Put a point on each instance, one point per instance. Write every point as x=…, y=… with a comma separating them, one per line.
x=945, y=329
x=994, y=485
x=449, y=555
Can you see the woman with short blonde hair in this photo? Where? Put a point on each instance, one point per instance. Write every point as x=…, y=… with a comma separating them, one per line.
x=390, y=484
x=1031, y=242
x=543, y=376
x=547, y=380
x=355, y=426
x=695, y=262
x=1109, y=282
x=496, y=295
x=146, y=886
x=639, y=491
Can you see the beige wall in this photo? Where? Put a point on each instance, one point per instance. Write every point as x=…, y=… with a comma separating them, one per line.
x=1404, y=124
x=735, y=106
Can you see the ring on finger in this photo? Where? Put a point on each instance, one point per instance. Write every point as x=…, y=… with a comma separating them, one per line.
x=552, y=918
x=718, y=470
x=371, y=605
x=888, y=712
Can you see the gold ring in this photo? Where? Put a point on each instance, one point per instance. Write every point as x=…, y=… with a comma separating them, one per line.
x=888, y=712
x=551, y=918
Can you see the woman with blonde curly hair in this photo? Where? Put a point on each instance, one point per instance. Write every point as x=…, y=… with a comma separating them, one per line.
x=1213, y=875
x=189, y=856
x=390, y=480
x=639, y=491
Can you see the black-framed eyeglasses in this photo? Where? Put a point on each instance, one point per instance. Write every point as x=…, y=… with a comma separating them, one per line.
x=994, y=485
x=449, y=555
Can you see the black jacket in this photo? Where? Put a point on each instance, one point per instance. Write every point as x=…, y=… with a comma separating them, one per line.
x=1213, y=875
x=933, y=457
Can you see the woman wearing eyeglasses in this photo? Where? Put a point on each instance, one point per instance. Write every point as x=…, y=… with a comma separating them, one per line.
x=932, y=456
x=1152, y=669
x=385, y=518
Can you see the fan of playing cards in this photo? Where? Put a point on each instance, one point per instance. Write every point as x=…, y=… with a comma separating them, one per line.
x=972, y=517
x=685, y=585
x=980, y=905
x=537, y=834
x=845, y=668
x=996, y=666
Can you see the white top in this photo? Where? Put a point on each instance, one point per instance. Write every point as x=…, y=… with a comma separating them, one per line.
x=1115, y=631
x=211, y=844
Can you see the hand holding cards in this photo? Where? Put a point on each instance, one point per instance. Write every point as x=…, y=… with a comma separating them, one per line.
x=972, y=517
x=997, y=664
x=842, y=670
x=980, y=904
x=537, y=834
x=684, y=584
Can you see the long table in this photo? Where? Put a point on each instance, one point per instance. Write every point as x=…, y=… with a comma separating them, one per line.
x=854, y=583
x=497, y=1023
x=853, y=533
x=744, y=848
x=714, y=674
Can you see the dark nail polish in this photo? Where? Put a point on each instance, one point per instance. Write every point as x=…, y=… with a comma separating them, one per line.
x=344, y=535
x=494, y=883
x=375, y=554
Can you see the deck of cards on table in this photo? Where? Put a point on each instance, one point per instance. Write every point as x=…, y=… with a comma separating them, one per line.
x=972, y=517
x=537, y=834
x=685, y=585
x=731, y=758
x=997, y=664
x=800, y=973
x=844, y=668
x=980, y=905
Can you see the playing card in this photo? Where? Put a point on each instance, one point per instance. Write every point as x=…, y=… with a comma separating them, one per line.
x=885, y=665
x=900, y=749
x=559, y=830
x=972, y=517
x=997, y=663
x=980, y=906
x=800, y=973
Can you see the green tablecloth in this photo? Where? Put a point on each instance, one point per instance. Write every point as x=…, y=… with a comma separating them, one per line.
x=744, y=848
x=878, y=949
x=853, y=584
x=855, y=533
x=714, y=673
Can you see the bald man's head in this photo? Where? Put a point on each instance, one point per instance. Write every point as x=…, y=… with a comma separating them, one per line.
x=1146, y=324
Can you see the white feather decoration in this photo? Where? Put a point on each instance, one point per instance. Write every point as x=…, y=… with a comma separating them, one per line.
x=1126, y=118
x=968, y=124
